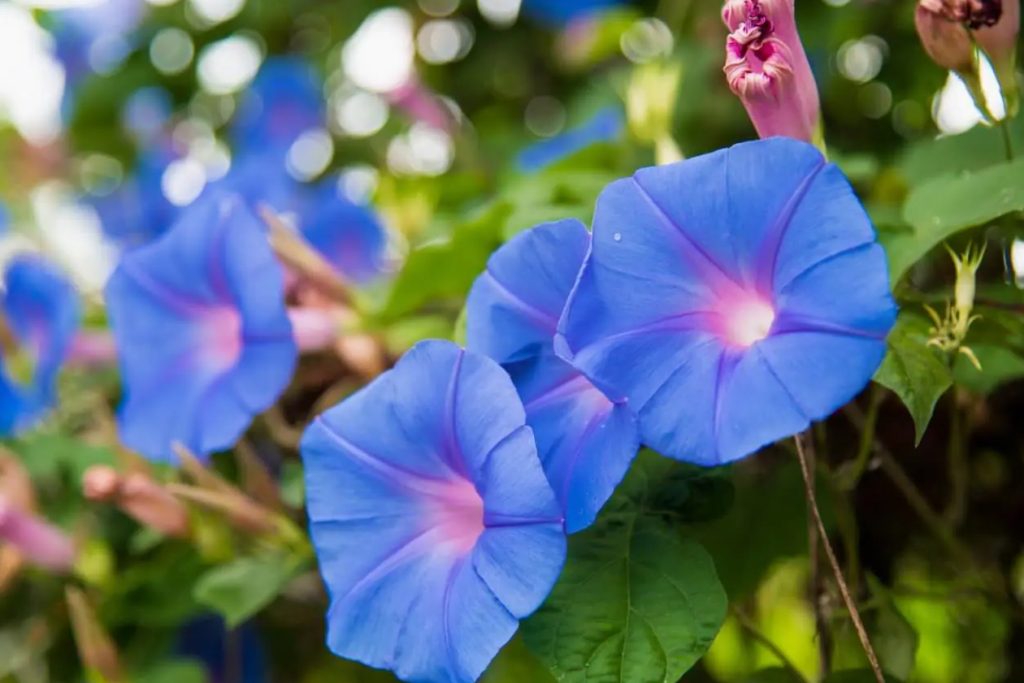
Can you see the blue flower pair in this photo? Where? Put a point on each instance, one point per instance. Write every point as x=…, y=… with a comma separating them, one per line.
x=721, y=304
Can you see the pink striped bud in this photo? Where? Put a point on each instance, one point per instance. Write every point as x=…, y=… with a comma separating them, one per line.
x=767, y=68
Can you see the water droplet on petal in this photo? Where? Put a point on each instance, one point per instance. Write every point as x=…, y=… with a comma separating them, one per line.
x=617, y=237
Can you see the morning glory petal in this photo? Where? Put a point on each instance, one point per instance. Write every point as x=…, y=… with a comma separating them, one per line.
x=421, y=486
x=742, y=425
x=768, y=274
x=586, y=441
x=203, y=337
x=516, y=303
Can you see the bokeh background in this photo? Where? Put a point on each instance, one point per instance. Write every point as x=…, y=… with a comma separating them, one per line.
x=116, y=114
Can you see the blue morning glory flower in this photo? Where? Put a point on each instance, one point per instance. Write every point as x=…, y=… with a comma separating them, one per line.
x=559, y=12
x=202, y=332
x=435, y=528
x=586, y=442
x=350, y=236
x=42, y=310
x=137, y=211
x=731, y=299
x=605, y=126
x=284, y=101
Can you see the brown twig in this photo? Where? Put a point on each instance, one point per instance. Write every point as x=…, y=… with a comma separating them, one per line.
x=296, y=253
x=821, y=620
x=837, y=572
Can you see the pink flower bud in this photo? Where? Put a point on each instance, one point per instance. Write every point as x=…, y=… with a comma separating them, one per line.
x=945, y=40
x=41, y=543
x=139, y=497
x=767, y=68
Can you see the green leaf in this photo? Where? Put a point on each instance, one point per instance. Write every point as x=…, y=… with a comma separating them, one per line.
x=914, y=371
x=446, y=269
x=636, y=601
x=178, y=671
x=943, y=206
x=242, y=588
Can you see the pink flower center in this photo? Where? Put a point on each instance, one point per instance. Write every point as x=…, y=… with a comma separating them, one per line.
x=457, y=512
x=221, y=330
x=746, y=321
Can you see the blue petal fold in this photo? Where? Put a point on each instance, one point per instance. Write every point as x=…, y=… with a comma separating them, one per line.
x=426, y=501
x=202, y=332
x=586, y=441
x=604, y=126
x=43, y=311
x=684, y=253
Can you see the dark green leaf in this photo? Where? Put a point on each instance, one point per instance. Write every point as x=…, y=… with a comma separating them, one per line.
x=998, y=366
x=914, y=371
x=773, y=675
x=636, y=602
x=239, y=590
x=514, y=664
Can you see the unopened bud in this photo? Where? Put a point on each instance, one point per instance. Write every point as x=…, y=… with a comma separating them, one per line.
x=41, y=543
x=945, y=40
x=139, y=497
x=767, y=68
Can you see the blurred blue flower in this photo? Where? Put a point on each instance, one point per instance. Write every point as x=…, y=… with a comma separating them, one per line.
x=94, y=38
x=146, y=114
x=435, y=528
x=560, y=12
x=349, y=235
x=42, y=311
x=138, y=211
x=731, y=299
x=605, y=126
x=586, y=442
x=203, y=337
x=207, y=639
x=285, y=100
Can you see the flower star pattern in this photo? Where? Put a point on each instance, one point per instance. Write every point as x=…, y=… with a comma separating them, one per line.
x=202, y=333
x=732, y=299
x=434, y=525
x=586, y=441
x=43, y=312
